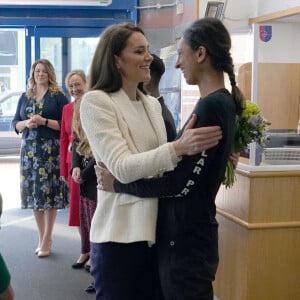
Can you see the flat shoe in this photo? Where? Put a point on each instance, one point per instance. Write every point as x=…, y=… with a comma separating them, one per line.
x=91, y=288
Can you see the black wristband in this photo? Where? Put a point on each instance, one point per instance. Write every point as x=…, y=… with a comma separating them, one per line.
x=46, y=123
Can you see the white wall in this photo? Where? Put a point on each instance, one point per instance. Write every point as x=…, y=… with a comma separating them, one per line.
x=284, y=45
x=270, y=6
x=57, y=2
x=237, y=12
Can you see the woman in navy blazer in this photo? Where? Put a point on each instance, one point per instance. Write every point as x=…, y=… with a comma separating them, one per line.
x=38, y=118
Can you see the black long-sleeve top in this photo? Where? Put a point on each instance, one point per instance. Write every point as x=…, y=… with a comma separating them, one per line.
x=52, y=109
x=168, y=119
x=187, y=194
x=87, y=166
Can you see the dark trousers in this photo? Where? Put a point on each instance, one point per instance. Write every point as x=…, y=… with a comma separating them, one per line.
x=123, y=271
x=187, y=265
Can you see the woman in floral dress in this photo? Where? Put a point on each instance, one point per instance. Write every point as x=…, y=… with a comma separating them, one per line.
x=38, y=118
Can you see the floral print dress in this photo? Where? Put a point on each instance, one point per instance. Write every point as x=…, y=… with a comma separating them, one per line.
x=41, y=186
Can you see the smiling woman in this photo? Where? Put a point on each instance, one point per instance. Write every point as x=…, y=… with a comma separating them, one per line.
x=186, y=229
x=125, y=129
x=38, y=119
x=130, y=122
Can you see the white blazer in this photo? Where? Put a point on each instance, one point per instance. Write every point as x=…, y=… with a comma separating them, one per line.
x=112, y=130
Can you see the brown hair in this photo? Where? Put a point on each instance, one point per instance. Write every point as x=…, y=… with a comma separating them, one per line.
x=104, y=74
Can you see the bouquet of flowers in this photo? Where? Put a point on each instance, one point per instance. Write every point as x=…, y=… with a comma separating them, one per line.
x=250, y=127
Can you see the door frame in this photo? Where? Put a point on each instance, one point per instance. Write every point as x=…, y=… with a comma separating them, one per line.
x=64, y=21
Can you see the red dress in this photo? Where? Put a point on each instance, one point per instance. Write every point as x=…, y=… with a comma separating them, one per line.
x=66, y=139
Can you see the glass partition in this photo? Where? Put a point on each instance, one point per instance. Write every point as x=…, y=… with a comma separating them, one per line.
x=12, y=84
x=82, y=51
x=79, y=54
x=12, y=60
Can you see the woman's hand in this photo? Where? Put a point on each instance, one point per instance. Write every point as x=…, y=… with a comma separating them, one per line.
x=105, y=179
x=195, y=140
x=31, y=123
x=38, y=119
x=76, y=175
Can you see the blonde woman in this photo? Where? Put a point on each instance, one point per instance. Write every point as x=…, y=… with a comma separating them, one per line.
x=76, y=84
x=38, y=118
x=83, y=173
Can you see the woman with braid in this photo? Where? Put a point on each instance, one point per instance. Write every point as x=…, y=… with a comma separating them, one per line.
x=187, y=230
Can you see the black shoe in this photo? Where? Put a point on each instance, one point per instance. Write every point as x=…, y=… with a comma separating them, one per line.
x=87, y=268
x=79, y=265
x=91, y=288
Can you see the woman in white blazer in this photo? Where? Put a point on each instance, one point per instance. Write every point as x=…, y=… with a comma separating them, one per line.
x=125, y=127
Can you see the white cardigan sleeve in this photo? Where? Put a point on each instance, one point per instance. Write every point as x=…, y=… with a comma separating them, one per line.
x=112, y=144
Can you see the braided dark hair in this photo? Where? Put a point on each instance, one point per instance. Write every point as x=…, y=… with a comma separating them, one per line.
x=213, y=35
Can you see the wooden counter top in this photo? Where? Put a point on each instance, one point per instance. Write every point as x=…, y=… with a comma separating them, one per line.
x=259, y=235
x=246, y=169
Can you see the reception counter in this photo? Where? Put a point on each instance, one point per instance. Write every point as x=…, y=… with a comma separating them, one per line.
x=259, y=234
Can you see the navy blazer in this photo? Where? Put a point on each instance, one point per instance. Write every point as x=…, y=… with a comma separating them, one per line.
x=52, y=109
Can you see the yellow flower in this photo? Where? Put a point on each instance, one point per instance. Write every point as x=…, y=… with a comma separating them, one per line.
x=249, y=127
x=42, y=171
x=251, y=108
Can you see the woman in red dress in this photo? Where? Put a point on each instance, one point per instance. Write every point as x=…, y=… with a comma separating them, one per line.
x=76, y=84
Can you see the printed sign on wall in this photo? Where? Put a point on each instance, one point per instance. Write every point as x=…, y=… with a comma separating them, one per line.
x=265, y=33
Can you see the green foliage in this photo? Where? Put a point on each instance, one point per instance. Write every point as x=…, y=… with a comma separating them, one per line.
x=250, y=127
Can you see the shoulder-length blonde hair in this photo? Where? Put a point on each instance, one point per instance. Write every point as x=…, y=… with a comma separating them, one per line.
x=53, y=85
x=83, y=147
